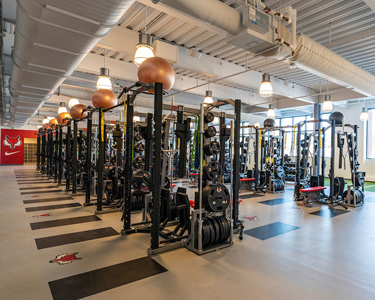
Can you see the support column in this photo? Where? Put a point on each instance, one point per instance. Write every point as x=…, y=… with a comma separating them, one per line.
x=236, y=163
x=317, y=126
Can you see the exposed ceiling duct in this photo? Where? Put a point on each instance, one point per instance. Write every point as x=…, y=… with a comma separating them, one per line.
x=52, y=37
x=309, y=55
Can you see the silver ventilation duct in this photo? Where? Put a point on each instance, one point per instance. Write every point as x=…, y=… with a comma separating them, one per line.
x=51, y=39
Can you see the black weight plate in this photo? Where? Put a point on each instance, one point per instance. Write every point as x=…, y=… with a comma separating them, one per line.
x=221, y=228
x=138, y=137
x=209, y=117
x=139, y=148
x=137, y=128
x=212, y=171
x=226, y=225
x=280, y=172
x=206, y=237
x=211, y=226
x=217, y=229
x=215, y=197
x=209, y=131
x=211, y=148
x=139, y=162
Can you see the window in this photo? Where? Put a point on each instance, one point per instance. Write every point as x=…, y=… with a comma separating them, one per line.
x=327, y=147
x=371, y=134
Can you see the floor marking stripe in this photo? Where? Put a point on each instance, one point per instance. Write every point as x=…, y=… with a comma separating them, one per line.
x=63, y=222
x=40, y=192
x=100, y=280
x=76, y=237
x=48, y=207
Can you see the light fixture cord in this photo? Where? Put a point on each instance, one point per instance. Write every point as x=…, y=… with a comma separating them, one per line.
x=146, y=19
x=105, y=54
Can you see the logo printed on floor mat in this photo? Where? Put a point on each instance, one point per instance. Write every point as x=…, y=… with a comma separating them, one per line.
x=295, y=207
x=253, y=218
x=31, y=196
x=64, y=259
x=42, y=215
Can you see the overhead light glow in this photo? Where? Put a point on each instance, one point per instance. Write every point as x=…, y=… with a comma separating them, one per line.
x=104, y=81
x=136, y=119
x=256, y=125
x=144, y=49
x=62, y=108
x=266, y=89
x=271, y=112
x=50, y=118
x=45, y=121
x=72, y=102
x=327, y=104
x=364, y=115
x=208, y=98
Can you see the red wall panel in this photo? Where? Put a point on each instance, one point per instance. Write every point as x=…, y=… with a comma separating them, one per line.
x=12, y=145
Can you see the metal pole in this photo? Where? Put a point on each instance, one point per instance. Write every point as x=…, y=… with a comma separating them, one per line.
x=74, y=158
x=156, y=193
x=57, y=153
x=100, y=159
x=60, y=155
x=236, y=164
x=332, y=165
x=88, y=159
x=200, y=243
x=68, y=154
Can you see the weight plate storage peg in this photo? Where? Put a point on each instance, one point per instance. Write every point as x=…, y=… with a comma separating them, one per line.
x=211, y=148
x=139, y=162
x=209, y=131
x=209, y=117
x=212, y=171
x=215, y=197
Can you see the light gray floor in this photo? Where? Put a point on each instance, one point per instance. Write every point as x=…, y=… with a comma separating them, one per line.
x=327, y=258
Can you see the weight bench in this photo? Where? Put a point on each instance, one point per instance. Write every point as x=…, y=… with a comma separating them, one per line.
x=247, y=180
x=312, y=194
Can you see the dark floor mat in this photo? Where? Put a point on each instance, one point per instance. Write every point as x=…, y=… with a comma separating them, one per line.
x=76, y=237
x=248, y=196
x=275, y=201
x=63, y=222
x=329, y=213
x=36, y=182
x=47, y=200
x=40, y=192
x=38, y=187
x=271, y=230
x=100, y=280
x=48, y=207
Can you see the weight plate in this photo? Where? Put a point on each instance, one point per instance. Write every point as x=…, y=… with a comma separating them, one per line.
x=139, y=148
x=209, y=117
x=209, y=131
x=280, y=172
x=212, y=171
x=217, y=229
x=215, y=197
x=137, y=128
x=212, y=231
x=221, y=228
x=211, y=148
x=138, y=137
x=139, y=162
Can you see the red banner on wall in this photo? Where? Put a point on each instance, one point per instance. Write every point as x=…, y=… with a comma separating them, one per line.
x=12, y=145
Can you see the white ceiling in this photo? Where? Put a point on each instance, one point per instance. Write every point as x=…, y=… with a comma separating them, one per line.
x=352, y=36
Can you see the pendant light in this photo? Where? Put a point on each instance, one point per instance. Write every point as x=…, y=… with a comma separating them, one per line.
x=144, y=48
x=327, y=104
x=266, y=89
x=208, y=98
x=104, y=81
x=72, y=102
x=45, y=121
x=271, y=112
x=62, y=108
x=364, y=114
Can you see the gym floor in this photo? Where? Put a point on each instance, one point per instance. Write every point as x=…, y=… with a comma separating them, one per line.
x=288, y=252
